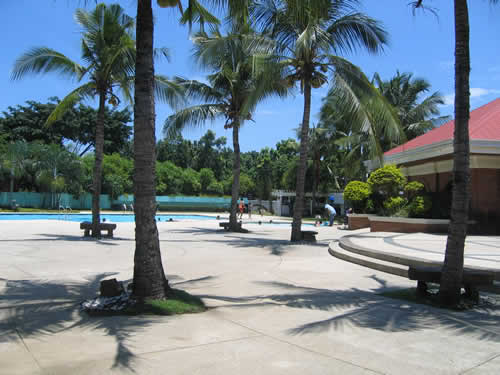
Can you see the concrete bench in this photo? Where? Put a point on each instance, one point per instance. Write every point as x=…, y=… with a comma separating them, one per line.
x=87, y=227
x=471, y=279
x=309, y=235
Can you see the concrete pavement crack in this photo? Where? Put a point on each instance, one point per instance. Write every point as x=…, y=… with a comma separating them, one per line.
x=481, y=364
x=28, y=349
x=197, y=346
x=303, y=348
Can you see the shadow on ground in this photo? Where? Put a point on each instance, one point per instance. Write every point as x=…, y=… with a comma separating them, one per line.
x=37, y=308
x=254, y=239
x=367, y=309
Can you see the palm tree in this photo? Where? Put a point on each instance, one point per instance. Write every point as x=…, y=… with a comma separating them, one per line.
x=149, y=277
x=233, y=92
x=451, y=279
x=311, y=34
x=15, y=158
x=108, y=49
x=405, y=93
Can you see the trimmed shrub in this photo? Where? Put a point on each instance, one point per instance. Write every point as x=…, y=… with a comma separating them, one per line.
x=357, y=192
x=394, y=204
x=387, y=180
x=419, y=206
x=413, y=188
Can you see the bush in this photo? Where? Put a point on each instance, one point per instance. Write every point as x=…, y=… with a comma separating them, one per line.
x=370, y=206
x=394, y=204
x=357, y=192
x=207, y=177
x=419, y=206
x=387, y=180
x=413, y=188
x=216, y=188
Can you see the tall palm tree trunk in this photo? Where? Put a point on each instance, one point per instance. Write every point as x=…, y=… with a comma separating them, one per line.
x=451, y=279
x=149, y=277
x=235, y=190
x=301, y=171
x=97, y=176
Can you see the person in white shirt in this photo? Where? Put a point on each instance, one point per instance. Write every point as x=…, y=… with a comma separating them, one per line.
x=331, y=213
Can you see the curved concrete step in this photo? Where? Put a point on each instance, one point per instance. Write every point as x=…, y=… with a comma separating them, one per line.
x=366, y=261
x=393, y=259
x=346, y=244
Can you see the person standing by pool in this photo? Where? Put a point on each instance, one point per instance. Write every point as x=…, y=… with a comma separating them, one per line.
x=331, y=213
x=242, y=208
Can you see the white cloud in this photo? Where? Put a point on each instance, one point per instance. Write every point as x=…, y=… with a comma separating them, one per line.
x=475, y=93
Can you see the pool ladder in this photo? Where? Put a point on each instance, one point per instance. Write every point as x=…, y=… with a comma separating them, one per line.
x=65, y=211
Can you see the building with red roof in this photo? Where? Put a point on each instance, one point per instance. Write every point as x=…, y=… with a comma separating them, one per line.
x=429, y=159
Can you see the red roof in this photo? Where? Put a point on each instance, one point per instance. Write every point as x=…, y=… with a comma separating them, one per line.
x=484, y=124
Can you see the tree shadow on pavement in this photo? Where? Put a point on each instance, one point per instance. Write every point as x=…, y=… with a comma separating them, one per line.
x=41, y=308
x=277, y=247
x=368, y=309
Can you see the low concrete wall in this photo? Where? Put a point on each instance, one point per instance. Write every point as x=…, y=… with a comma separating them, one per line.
x=358, y=221
x=407, y=225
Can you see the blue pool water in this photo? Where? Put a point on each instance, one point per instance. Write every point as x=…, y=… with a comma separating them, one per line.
x=112, y=218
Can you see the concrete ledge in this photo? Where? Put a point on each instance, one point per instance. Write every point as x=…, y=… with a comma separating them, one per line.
x=408, y=220
x=358, y=221
x=407, y=225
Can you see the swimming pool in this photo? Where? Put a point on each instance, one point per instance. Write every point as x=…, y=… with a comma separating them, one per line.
x=112, y=218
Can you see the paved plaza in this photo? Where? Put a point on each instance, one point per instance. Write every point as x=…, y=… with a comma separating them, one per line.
x=275, y=307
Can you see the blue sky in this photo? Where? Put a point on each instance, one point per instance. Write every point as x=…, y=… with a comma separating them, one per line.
x=420, y=44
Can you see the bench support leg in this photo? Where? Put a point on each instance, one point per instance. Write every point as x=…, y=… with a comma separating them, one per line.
x=472, y=292
x=421, y=289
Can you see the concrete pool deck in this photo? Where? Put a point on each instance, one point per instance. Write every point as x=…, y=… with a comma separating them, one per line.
x=275, y=308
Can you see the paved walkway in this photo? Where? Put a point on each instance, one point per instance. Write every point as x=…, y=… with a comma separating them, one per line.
x=276, y=308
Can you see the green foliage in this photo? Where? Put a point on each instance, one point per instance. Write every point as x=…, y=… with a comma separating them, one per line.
x=357, y=192
x=117, y=175
x=190, y=182
x=246, y=184
x=393, y=204
x=370, y=206
x=387, y=180
x=412, y=188
x=216, y=188
x=207, y=177
x=419, y=206
x=169, y=178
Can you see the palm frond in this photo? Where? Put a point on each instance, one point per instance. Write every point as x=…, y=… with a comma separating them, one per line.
x=45, y=60
x=199, y=91
x=169, y=91
x=162, y=52
x=357, y=30
x=83, y=92
x=196, y=13
x=194, y=116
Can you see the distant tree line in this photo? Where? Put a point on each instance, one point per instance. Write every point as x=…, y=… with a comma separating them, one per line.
x=59, y=158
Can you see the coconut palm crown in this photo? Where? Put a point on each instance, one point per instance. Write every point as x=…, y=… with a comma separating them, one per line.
x=240, y=79
x=108, y=54
x=404, y=93
x=312, y=35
